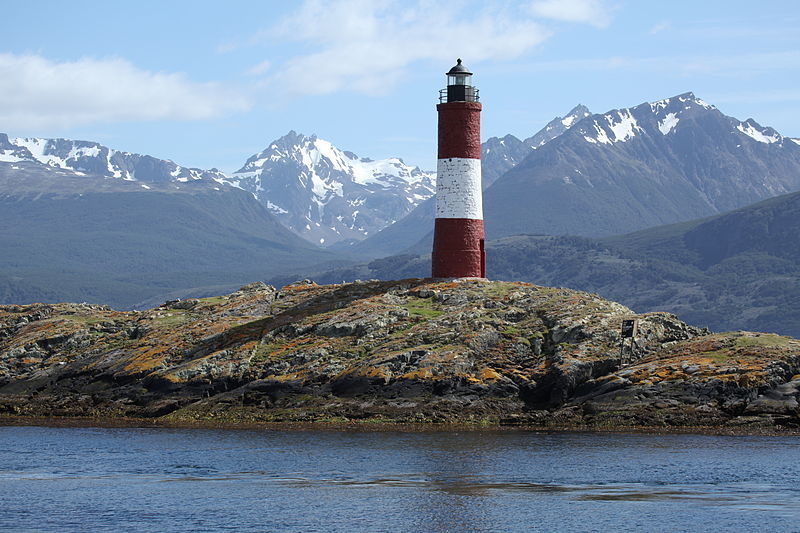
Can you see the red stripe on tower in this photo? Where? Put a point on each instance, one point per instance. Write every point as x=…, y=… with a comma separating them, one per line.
x=458, y=232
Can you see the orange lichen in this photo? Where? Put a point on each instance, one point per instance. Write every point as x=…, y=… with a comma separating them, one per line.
x=489, y=374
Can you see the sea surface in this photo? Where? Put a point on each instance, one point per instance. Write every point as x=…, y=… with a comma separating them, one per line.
x=153, y=480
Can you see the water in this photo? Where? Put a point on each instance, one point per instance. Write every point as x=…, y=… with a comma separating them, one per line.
x=87, y=479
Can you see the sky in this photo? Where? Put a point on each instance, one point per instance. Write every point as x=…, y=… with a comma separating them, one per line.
x=208, y=83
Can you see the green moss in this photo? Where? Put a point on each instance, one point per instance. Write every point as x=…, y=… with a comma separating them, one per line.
x=82, y=319
x=765, y=340
x=422, y=308
x=742, y=342
x=718, y=356
x=497, y=289
x=211, y=301
x=265, y=351
x=174, y=317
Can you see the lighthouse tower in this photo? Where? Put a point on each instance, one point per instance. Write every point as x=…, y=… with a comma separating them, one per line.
x=458, y=234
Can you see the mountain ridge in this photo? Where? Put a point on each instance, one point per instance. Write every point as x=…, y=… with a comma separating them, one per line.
x=327, y=195
x=655, y=163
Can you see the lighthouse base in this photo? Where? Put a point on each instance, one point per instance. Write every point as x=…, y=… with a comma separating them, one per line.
x=458, y=249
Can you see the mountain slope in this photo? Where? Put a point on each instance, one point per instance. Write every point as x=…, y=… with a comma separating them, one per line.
x=68, y=235
x=498, y=156
x=656, y=163
x=327, y=195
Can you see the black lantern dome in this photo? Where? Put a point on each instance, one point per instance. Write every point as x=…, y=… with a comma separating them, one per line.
x=459, y=85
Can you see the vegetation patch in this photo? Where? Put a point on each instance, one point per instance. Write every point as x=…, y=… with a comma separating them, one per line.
x=765, y=340
x=422, y=308
x=174, y=317
x=211, y=301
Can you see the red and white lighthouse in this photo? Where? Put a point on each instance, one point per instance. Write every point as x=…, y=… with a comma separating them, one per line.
x=458, y=242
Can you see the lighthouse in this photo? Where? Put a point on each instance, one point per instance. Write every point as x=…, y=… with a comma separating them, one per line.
x=458, y=241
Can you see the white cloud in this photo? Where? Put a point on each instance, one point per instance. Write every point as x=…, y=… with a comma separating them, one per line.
x=367, y=46
x=259, y=69
x=39, y=93
x=661, y=26
x=593, y=12
x=758, y=97
x=726, y=66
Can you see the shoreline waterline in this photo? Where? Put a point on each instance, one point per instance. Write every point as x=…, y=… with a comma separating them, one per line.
x=378, y=426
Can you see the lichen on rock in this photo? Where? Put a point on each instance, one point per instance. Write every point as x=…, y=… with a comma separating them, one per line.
x=415, y=350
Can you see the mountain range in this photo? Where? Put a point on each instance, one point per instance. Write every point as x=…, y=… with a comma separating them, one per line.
x=91, y=224
x=91, y=158
x=656, y=163
x=85, y=222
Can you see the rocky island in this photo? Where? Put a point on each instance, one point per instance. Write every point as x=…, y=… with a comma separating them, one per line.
x=470, y=352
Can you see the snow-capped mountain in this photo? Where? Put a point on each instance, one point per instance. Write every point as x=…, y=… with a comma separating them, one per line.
x=498, y=155
x=329, y=195
x=656, y=163
x=665, y=116
x=86, y=157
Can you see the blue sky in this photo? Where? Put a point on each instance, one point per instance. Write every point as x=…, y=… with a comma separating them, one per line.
x=208, y=84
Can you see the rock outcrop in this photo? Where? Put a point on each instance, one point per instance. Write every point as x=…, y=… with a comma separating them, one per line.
x=414, y=350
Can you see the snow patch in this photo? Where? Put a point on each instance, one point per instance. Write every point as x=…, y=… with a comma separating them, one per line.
x=655, y=107
x=753, y=133
x=9, y=158
x=601, y=136
x=276, y=208
x=626, y=128
x=668, y=124
x=703, y=103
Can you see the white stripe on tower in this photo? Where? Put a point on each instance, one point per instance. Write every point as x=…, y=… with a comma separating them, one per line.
x=458, y=188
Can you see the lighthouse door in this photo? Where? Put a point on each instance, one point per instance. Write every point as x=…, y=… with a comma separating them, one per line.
x=483, y=260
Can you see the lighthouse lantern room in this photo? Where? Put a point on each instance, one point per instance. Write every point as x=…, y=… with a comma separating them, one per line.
x=459, y=86
x=458, y=240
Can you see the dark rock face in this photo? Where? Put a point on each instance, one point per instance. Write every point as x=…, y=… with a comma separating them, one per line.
x=405, y=351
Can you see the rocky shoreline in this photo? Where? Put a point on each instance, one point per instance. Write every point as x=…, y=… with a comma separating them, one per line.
x=417, y=352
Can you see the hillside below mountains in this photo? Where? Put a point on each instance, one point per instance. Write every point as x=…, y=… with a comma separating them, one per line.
x=414, y=350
